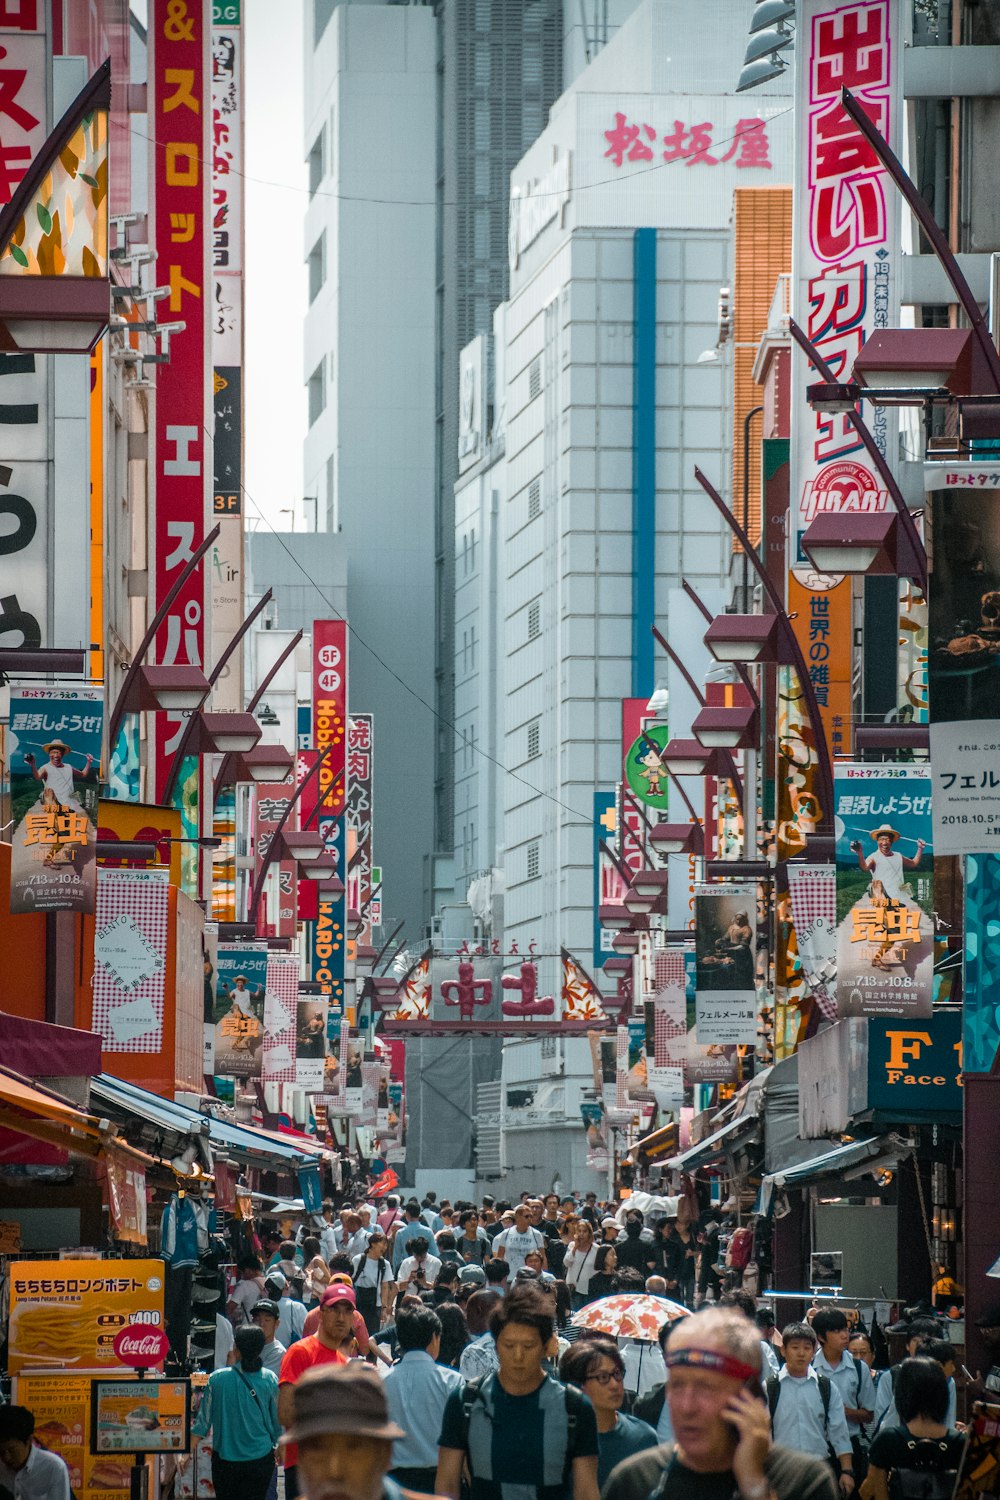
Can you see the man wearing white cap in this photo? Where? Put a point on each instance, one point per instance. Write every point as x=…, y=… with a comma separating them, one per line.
x=885, y=864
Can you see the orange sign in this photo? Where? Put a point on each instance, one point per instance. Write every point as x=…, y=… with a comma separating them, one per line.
x=64, y=1314
x=62, y=1408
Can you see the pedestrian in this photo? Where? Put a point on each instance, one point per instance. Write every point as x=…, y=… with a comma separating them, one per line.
x=317, y=1280
x=581, y=1263
x=445, y=1285
x=852, y=1378
x=249, y=1289
x=472, y=1245
x=709, y=1279
x=417, y=1389
x=675, y=1257
x=479, y=1357
x=599, y=1371
x=27, y=1471
x=266, y=1315
x=446, y=1247
x=420, y=1267
x=722, y=1443
x=514, y=1242
x=807, y=1411
x=374, y=1282
x=860, y=1346
x=605, y=1266
x=336, y=1323
x=748, y=1307
x=291, y=1311
x=454, y=1334
x=497, y=1274
x=342, y=1436
x=240, y=1409
x=633, y=1251
x=413, y=1225
x=519, y=1427
x=886, y=1414
x=920, y=1456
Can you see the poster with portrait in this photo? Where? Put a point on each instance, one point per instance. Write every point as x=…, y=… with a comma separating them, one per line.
x=354, y=1079
x=54, y=756
x=704, y=1062
x=885, y=889
x=725, y=963
x=240, y=989
x=598, y=1150
x=310, y=1042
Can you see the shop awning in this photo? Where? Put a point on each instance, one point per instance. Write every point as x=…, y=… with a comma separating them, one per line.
x=741, y=1131
x=655, y=1145
x=854, y=1159
x=18, y=1092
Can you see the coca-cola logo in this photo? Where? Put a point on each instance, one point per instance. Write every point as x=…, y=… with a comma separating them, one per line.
x=141, y=1345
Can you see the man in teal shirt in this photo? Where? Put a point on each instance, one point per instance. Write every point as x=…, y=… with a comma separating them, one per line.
x=240, y=1409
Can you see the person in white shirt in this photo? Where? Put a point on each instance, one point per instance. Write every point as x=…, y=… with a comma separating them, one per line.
x=513, y=1244
x=420, y=1267
x=26, y=1471
x=374, y=1282
x=57, y=777
x=851, y=1376
x=885, y=864
x=248, y=1290
x=291, y=1312
x=808, y=1415
x=580, y=1264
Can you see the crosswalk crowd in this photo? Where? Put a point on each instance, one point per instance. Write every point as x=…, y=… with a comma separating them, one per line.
x=466, y=1351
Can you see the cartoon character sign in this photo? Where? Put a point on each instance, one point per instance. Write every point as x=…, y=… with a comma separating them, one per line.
x=644, y=771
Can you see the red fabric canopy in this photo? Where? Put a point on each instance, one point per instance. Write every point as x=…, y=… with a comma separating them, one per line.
x=37, y=1050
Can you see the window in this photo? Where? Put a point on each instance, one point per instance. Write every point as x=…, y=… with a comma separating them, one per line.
x=317, y=267
x=317, y=391
x=332, y=523
x=534, y=738
x=548, y=1049
x=535, y=379
x=534, y=620
x=533, y=861
x=322, y=11
x=534, y=499
x=317, y=169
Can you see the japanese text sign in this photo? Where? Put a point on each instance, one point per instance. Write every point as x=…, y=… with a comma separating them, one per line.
x=916, y=1068
x=65, y=1314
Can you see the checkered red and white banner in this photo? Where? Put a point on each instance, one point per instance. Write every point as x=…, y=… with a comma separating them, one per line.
x=280, y=1019
x=813, y=889
x=130, y=958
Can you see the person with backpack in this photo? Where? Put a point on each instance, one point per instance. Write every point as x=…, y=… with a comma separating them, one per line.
x=886, y=1414
x=240, y=1410
x=851, y=1376
x=520, y=1426
x=597, y=1368
x=417, y=1390
x=807, y=1412
x=918, y=1459
x=374, y=1282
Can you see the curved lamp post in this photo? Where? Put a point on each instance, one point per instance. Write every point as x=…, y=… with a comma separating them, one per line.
x=222, y=777
x=257, y=890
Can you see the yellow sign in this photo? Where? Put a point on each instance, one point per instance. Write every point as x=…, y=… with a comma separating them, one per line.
x=64, y=1314
x=61, y=1404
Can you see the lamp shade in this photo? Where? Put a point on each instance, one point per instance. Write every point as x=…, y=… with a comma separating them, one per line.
x=264, y=763
x=743, y=637
x=614, y=916
x=625, y=942
x=678, y=838
x=640, y=901
x=172, y=689
x=228, y=733
x=617, y=965
x=650, y=882
x=733, y=728
x=303, y=844
x=322, y=868
x=686, y=757
x=909, y=359
x=852, y=542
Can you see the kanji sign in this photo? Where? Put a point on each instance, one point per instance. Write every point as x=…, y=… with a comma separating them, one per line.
x=745, y=145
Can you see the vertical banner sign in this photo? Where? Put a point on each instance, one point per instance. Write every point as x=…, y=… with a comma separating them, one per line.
x=276, y=917
x=180, y=189
x=980, y=1014
x=666, y=1070
x=812, y=892
x=846, y=242
x=609, y=887
x=330, y=734
x=55, y=762
x=24, y=412
x=724, y=936
x=885, y=890
x=227, y=343
x=240, y=989
x=130, y=959
x=360, y=757
x=310, y=1043
x=280, y=1019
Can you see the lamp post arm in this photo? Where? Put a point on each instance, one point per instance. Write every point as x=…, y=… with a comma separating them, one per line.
x=258, y=695
x=394, y=934
x=324, y=798
x=623, y=872
x=682, y=669
x=268, y=858
x=213, y=677
x=118, y=712
x=857, y=421
x=741, y=670
x=799, y=661
x=931, y=228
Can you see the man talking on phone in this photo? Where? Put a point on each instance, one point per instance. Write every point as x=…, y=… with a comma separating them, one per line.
x=722, y=1444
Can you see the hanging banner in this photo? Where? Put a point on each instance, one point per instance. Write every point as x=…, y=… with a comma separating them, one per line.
x=329, y=717
x=66, y=1313
x=126, y=1183
x=581, y=999
x=644, y=771
x=180, y=123
x=981, y=978
x=711, y=1062
x=813, y=894
x=413, y=998
x=360, y=777
x=280, y=1019
x=240, y=989
x=55, y=763
x=845, y=246
x=130, y=959
x=885, y=890
x=725, y=955
x=598, y=1150
x=310, y=1043
x=609, y=887
x=277, y=914
x=665, y=1072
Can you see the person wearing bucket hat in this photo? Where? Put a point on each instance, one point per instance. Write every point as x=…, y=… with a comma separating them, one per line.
x=885, y=863
x=340, y=1427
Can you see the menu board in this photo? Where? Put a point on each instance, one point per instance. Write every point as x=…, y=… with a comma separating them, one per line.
x=140, y=1416
x=64, y=1314
x=62, y=1406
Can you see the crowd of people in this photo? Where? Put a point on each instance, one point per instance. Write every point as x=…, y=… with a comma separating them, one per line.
x=439, y=1349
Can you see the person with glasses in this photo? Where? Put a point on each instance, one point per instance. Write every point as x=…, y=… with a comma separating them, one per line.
x=472, y=1244
x=599, y=1371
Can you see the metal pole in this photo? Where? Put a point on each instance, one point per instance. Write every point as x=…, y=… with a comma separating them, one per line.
x=753, y=412
x=257, y=888
x=258, y=695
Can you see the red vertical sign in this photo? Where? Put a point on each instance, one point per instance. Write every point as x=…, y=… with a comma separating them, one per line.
x=330, y=712
x=180, y=119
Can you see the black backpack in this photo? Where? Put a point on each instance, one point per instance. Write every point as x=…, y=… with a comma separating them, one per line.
x=472, y=1391
x=922, y=1483
x=773, y=1388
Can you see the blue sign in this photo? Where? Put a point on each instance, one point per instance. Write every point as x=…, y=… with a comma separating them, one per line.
x=606, y=830
x=915, y=1066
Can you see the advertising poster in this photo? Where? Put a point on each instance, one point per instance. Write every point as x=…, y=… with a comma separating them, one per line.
x=707, y=1062
x=310, y=1043
x=644, y=770
x=980, y=1013
x=277, y=914
x=140, y=1416
x=55, y=773
x=335, y=1066
x=636, y=1079
x=240, y=988
x=64, y=1314
x=669, y=1030
x=370, y=1079
x=130, y=958
x=885, y=901
x=813, y=896
x=360, y=774
x=62, y=1408
x=280, y=1019
x=598, y=1150
x=329, y=718
x=352, y=1062
x=609, y=888
x=725, y=959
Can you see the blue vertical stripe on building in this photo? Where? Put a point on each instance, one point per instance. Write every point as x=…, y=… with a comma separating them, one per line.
x=643, y=459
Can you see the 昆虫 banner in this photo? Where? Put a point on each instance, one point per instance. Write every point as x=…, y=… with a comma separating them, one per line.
x=885, y=897
x=55, y=755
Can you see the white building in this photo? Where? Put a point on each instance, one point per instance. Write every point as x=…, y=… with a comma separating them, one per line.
x=370, y=140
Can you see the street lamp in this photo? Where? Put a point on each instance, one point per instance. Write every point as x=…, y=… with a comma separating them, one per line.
x=743, y=638
x=262, y=763
x=614, y=916
x=735, y=728
x=679, y=838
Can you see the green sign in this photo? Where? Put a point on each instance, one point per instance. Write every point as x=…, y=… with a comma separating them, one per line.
x=645, y=774
x=226, y=12
x=915, y=1066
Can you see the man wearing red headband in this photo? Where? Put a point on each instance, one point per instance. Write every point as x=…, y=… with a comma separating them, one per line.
x=722, y=1448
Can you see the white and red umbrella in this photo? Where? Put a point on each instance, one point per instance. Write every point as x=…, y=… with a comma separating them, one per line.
x=627, y=1316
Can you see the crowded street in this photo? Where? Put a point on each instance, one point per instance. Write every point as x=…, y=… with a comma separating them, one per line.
x=499, y=818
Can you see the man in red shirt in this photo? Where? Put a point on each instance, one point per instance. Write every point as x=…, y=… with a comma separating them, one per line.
x=336, y=1320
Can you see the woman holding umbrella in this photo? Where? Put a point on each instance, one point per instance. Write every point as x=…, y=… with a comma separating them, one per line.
x=580, y=1264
